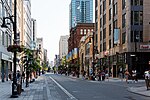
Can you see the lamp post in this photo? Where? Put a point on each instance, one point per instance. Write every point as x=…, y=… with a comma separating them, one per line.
x=93, y=55
x=14, y=22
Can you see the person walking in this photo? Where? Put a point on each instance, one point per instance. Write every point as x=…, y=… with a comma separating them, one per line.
x=134, y=76
x=103, y=75
x=127, y=74
x=147, y=77
x=23, y=76
x=99, y=75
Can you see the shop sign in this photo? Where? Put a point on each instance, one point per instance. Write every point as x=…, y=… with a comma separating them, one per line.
x=144, y=46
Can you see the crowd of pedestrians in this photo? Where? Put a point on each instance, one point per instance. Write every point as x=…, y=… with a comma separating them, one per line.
x=103, y=75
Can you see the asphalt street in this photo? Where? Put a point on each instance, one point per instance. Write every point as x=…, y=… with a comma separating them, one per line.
x=69, y=88
x=60, y=87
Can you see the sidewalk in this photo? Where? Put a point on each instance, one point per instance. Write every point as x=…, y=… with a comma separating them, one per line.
x=140, y=90
x=38, y=90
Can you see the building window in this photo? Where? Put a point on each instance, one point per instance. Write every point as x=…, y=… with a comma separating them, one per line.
x=123, y=37
x=136, y=2
x=132, y=36
x=141, y=17
x=100, y=47
x=84, y=31
x=100, y=22
x=3, y=38
x=100, y=9
x=136, y=36
x=115, y=24
x=81, y=31
x=96, y=40
x=96, y=25
x=136, y=17
x=87, y=50
x=6, y=42
x=104, y=19
x=104, y=46
x=123, y=4
x=141, y=2
x=9, y=40
x=109, y=43
x=89, y=31
x=104, y=5
x=110, y=13
x=96, y=3
x=1, y=12
x=115, y=9
x=132, y=2
x=132, y=17
x=141, y=36
x=123, y=20
x=110, y=1
x=104, y=33
x=110, y=29
x=96, y=13
x=100, y=35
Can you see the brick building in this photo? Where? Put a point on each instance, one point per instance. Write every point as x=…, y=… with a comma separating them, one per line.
x=76, y=34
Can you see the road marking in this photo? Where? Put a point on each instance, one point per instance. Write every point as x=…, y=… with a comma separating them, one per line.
x=69, y=94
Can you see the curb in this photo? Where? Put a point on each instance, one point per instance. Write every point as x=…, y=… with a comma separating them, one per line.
x=130, y=90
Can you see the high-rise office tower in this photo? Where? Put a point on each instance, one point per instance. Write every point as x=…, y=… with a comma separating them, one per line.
x=80, y=11
x=63, y=46
x=34, y=32
x=122, y=28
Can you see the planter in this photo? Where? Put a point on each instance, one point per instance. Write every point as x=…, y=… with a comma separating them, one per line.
x=13, y=48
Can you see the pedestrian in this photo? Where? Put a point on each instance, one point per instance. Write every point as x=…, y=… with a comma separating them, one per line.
x=127, y=74
x=23, y=76
x=18, y=74
x=84, y=73
x=147, y=77
x=103, y=75
x=99, y=75
x=134, y=76
x=10, y=77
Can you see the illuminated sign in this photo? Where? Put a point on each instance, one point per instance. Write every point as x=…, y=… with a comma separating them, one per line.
x=144, y=46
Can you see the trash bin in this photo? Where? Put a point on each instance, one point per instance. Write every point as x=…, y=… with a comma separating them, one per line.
x=19, y=89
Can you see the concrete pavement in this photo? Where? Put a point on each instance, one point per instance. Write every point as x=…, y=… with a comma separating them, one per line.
x=140, y=90
x=39, y=90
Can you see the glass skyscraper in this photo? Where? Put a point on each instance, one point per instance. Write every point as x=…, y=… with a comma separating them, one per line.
x=81, y=11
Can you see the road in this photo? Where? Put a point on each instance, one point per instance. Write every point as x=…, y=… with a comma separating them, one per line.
x=68, y=88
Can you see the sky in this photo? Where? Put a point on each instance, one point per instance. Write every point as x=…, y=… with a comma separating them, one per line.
x=52, y=18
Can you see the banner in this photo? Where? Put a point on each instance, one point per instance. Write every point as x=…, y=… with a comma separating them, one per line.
x=67, y=59
x=75, y=53
x=116, y=36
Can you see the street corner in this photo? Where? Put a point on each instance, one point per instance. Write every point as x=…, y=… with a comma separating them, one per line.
x=140, y=90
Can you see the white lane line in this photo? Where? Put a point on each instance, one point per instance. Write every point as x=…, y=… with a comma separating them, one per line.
x=69, y=94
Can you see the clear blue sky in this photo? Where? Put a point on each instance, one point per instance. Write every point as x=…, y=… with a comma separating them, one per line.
x=52, y=21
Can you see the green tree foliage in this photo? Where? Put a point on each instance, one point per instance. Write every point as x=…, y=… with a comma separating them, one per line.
x=32, y=63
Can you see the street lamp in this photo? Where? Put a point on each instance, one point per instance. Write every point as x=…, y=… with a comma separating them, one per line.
x=4, y=25
x=93, y=54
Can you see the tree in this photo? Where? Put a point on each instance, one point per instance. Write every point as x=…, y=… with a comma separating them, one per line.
x=30, y=63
